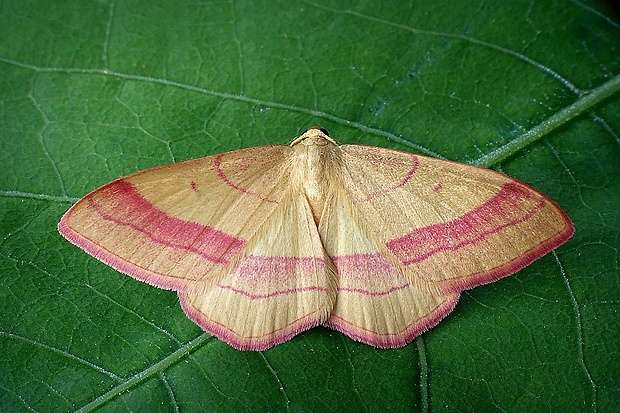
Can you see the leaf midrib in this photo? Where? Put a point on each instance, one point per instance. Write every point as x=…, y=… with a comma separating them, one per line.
x=147, y=373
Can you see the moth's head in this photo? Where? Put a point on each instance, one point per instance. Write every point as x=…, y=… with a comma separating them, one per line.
x=314, y=136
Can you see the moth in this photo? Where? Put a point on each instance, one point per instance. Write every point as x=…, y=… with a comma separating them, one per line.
x=263, y=243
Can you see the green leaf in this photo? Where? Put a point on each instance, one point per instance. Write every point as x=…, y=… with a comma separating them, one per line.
x=92, y=91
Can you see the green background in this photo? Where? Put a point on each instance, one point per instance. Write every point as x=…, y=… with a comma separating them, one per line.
x=93, y=90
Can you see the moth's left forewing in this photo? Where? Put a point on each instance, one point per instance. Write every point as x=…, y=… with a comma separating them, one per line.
x=228, y=232
x=176, y=224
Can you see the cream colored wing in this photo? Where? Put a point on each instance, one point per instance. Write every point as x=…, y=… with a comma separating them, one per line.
x=281, y=284
x=205, y=228
x=408, y=233
x=455, y=225
x=379, y=302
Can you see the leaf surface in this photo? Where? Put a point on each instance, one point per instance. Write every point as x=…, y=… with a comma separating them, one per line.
x=95, y=90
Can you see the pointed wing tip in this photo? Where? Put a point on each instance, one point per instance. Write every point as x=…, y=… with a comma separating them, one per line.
x=63, y=228
x=71, y=235
x=520, y=262
x=107, y=257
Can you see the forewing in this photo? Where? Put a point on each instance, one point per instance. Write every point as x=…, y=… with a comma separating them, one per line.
x=176, y=224
x=451, y=224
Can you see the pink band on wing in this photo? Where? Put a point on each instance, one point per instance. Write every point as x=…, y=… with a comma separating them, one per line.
x=493, y=216
x=130, y=209
x=260, y=277
x=263, y=269
x=220, y=172
x=253, y=296
x=368, y=274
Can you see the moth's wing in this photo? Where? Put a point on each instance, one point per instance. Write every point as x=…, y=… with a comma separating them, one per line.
x=171, y=225
x=281, y=284
x=184, y=226
x=378, y=301
x=447, y=226
x=453, y=224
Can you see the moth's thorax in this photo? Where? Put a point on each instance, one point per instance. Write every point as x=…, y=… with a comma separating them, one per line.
x=316, y=157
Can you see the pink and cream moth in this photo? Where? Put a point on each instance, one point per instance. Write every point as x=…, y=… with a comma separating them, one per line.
x=263, y=243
